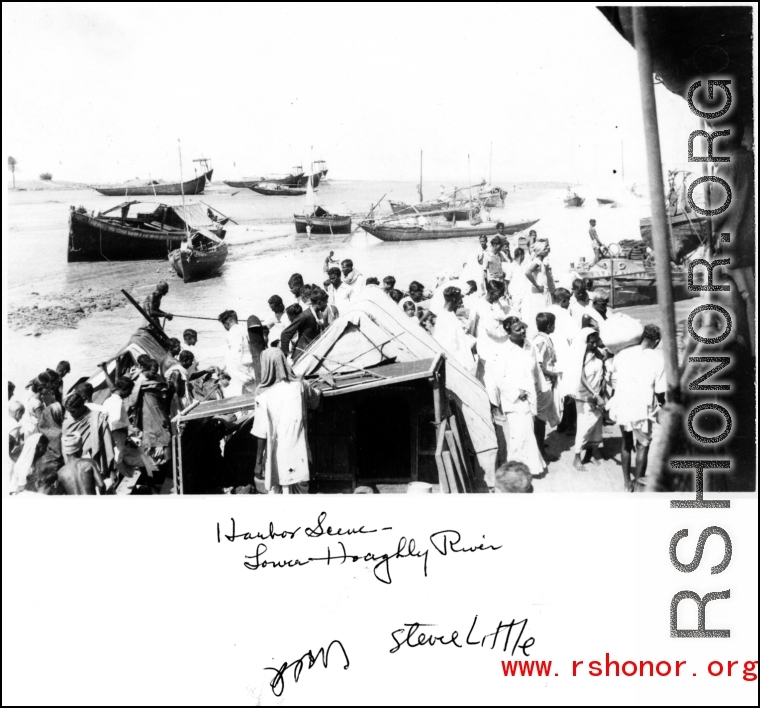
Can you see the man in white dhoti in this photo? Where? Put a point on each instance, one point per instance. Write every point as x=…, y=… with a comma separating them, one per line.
x=547, y=403
x=519, y=286
x=637, y=376
x=580, y=301
x=239, y=361
x=516, y=392
x=587, y=376
x=486, y=318
x=565, y=332
x=449, y=332
x=538, y=298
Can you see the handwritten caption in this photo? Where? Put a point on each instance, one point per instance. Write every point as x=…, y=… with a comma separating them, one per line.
x=446, y=543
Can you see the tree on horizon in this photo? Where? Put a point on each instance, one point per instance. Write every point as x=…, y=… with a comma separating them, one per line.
x=12, y=167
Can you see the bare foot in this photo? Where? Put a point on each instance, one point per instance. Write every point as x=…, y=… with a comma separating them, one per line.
x=578, y=464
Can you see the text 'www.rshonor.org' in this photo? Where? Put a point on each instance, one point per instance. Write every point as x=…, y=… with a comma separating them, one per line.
x=744, y=670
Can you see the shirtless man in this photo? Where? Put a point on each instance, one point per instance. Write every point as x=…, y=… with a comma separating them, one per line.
x=152, y=303
x=600, y=250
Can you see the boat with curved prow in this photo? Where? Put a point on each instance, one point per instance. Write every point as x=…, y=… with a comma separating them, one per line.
x=135, y=234
x=399, y=232
x=158, y=189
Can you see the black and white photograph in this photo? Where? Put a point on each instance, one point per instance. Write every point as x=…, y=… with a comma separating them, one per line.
x=389, y=250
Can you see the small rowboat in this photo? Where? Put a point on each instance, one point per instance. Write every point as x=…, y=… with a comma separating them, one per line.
x=460, y=213
x=574, y=201
x=198, y=263
x=396, y=232
x=278, y=191
x=606, y=202
x=158, y=189
x=422, y=208
x=322, y=222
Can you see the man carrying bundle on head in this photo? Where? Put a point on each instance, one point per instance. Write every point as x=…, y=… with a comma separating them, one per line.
x=637, y=376
x=239, y=361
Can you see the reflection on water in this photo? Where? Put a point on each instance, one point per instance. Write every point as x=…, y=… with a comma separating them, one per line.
x=264, y=252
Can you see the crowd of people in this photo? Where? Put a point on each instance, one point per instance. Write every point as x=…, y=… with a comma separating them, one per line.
x=535, y=347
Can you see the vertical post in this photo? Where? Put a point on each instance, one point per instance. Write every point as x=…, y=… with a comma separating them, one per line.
x=660, y=223
x=612, y=283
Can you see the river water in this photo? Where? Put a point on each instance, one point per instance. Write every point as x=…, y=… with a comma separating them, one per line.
x=264, y=252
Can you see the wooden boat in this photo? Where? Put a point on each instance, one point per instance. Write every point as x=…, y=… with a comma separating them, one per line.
x=322, y=221
x=321, y=167
x=688, y=230
x=204, y=256
x=158, y=189
x=315, y=179
x=461, y=213
x=399, y=232
x=422, y=208
x=278, y=190
x=142, y=230
x=292, y=180
x=493, y=197
x=605, y=202
x=574, y=201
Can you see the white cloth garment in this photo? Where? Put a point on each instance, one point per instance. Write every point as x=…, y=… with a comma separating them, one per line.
x=450, y=335
x=340, y=297
x=636, y=374
x=280, y=419
x=239, y=362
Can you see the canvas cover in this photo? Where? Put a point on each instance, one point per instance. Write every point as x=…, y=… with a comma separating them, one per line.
x=374, y=328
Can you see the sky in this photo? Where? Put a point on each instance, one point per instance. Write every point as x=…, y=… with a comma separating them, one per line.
x=102, y=92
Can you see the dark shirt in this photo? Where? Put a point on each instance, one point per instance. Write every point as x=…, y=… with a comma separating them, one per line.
x=308, y=329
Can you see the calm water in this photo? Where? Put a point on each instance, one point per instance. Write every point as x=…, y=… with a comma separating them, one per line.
x=264, y=252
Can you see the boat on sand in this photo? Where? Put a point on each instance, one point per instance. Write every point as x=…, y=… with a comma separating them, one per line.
x=153, y=188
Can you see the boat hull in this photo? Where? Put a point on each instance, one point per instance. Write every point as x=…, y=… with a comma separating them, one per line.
x=285, y=192
x=404, y=208
x=94, y=239
x=574, y=202
x=459, y=214
x=395, y=233
x=193, y=186
x=687, y=232
x=305, y=180
x=335, y=224
x=289, y=181
x=193, y=265
x=605, y=202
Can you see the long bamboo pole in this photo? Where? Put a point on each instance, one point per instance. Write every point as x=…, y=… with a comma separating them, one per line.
x=660, y=225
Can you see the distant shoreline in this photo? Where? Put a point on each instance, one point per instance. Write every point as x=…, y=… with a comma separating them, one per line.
x=39, y=185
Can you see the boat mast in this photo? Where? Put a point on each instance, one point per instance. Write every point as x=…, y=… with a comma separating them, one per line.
x=419, y=189
x=182, y=190
x=622, y=163
x=490, y=165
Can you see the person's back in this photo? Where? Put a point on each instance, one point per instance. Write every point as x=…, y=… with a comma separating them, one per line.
x=80, y=476
x=637, y=374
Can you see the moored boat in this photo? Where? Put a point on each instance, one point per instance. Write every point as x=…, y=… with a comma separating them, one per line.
x=574, y=201
x=291, y=180
x=400, y=232
x=322, y=221
x=493, y=197
x=461, y=213
x=135, y=234
x=157, y=189
x=605, y=202
x=203, y=256
x=421, y=208
x=278, y=190
x=688, y=230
